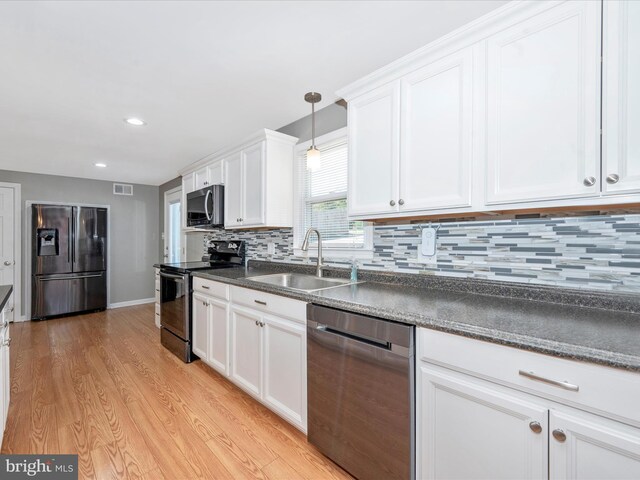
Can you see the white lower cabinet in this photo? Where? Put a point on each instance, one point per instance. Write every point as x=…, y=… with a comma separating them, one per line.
x=263, y=350
x=474, y=421
x=470, y=429
x=5, y=383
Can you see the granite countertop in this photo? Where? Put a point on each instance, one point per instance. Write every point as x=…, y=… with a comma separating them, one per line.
x=598, y=335
x=5, y=293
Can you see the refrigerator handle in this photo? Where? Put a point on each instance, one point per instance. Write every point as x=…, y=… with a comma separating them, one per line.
x=69, y=246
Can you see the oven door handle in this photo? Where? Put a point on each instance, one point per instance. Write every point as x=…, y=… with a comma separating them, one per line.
x=174, y=277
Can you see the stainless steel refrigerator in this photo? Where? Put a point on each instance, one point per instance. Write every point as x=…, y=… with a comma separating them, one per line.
x=69, y=260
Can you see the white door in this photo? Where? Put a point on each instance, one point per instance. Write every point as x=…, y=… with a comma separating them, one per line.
x=588, y=447
x=436, y=133
x=621, y=100
x=374, y=129
x=172, y=221
x=285, y=367
x=471, y=429
x=543, y=101
x=200, y=326
x=253, y=175
x=233, y=191
x=215, y=173
x=246, y=349
x=219, y=336
x=7, y=248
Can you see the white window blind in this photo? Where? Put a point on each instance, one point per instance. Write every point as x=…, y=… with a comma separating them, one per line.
x=323, y=197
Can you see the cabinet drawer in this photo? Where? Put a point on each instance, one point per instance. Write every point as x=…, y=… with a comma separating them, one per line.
x=607, y=391
x=267, y=302
x=211, y=288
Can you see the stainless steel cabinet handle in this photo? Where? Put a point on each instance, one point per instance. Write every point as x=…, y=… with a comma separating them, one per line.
x=613, y=178
x=205, y=287
x=401, y=202
x=157, y=289
x=8, y=263
x=7, y=342
x=589, y=181
x=559, y=435
x=260, y=302
x=555, y=383
x=535, y=427
x=204, y=303
x=157, y=314
x=392, y=203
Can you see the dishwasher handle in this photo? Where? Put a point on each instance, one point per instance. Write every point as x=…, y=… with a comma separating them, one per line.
x=393, y=348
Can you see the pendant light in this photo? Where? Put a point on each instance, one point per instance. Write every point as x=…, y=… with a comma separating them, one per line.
x=313, y=154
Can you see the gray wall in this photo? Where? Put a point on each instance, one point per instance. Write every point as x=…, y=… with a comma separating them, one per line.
x=165, y=187
x=134, y=227
x=328, y=119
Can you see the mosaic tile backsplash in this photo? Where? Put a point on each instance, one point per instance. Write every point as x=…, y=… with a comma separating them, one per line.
x=592, y=252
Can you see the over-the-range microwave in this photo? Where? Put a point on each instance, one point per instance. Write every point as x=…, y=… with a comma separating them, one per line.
x=205, y=207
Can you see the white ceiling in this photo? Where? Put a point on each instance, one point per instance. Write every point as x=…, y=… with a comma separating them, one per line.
x=202, y=74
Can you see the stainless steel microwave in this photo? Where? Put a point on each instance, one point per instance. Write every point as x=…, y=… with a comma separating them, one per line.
x=205, y=207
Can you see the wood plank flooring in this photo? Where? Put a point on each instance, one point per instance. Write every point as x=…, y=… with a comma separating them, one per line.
x=101, y=386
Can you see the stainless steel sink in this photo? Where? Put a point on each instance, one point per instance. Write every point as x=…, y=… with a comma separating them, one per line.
x=300, y=282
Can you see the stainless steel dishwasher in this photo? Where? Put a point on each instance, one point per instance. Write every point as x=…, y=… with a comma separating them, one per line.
x=361, y=392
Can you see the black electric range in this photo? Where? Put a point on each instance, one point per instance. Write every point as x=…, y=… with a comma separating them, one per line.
x=176, y=290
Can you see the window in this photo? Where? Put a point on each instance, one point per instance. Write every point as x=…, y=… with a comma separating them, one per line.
x=322, y=200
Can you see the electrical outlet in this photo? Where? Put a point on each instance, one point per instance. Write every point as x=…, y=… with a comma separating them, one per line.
x=271, y=248
x=427, y=250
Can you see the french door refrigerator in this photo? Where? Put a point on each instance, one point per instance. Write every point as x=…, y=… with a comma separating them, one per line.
x=69, y=260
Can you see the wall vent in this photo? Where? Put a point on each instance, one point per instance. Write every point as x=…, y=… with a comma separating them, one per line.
x=122, y=189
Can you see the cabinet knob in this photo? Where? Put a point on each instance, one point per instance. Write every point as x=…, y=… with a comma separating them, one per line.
x=392, y=203
x=401, y=202
x=559, y=435
x=535, y=427
x=613, y=178
x=7, y=342
x=257, y=323
x=8, y=263
x=589, y=181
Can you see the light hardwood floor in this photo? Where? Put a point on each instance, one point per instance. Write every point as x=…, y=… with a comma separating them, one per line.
x=102, y=386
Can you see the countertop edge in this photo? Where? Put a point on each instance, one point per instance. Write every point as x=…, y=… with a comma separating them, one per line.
x=524, y=342
x=4, y=298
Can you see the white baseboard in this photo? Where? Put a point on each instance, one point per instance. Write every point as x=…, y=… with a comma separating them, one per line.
x=131, y=303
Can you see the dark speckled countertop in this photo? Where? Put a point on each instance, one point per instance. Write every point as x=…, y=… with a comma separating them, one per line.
x=599, y=335
x=5, y=293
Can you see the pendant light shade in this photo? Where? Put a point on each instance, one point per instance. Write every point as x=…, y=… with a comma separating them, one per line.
x=313, y=154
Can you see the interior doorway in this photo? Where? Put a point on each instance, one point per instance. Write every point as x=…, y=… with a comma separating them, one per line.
x=172, y=226
x=10, y=252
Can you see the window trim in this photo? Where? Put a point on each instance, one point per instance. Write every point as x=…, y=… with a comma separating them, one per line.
x=330, y=252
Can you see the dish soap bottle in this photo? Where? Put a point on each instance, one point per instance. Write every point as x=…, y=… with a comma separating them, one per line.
x=354, y=270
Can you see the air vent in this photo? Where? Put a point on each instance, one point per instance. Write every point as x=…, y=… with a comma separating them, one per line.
x=122, y=189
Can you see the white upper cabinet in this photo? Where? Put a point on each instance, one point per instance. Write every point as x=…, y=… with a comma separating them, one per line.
x=436, y=134
x=258, y=179
x=621, y=101
x=374, y=128
x=233, y=190
x=410, y=141
x=543, y=106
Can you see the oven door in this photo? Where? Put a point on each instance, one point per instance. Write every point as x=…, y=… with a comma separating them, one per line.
x=174, y=304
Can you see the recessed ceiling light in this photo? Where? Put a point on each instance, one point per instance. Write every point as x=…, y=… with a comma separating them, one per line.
x=135, y=121
x=101, y=165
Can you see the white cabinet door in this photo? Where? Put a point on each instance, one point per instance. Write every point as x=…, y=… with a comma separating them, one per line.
x=436, y=138
x=246, y=350
x=201, y=178
x=543, y=101
x=6, y=380
x=188, y=183
x=253, y=176
x=374, y=123
x=285, y=369
x=588, y=447
x=200, y=326
x=233, y=190
x=621, y=100
x=215, y=173
x=219, y=336
x=471, y=429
